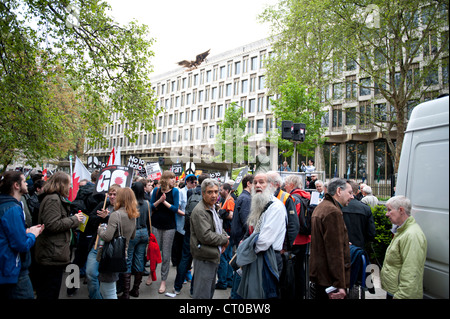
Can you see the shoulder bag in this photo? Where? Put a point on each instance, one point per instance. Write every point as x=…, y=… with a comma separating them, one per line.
x=113, y=257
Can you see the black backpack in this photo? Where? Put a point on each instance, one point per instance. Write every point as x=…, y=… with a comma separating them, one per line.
x=304, y=216
x=193, y=200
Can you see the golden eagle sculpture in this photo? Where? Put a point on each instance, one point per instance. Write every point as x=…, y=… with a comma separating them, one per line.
x=190, y=65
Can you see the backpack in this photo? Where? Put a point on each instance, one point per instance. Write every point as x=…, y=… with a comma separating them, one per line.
x=292, y=227
x=304, y=211
x=193, y=200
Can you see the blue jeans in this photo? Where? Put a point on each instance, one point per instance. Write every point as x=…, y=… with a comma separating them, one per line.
x=108, y=290
x=225, y=272
x=92, y=275
x=23, y=289
x=236, y=282
x=137, y=248
x=184, y=264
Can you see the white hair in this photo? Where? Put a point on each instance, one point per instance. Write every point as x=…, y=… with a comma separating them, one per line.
x=400, y=201
x=367, y=189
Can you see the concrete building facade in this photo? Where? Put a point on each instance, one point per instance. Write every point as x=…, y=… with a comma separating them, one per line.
x=194, y=102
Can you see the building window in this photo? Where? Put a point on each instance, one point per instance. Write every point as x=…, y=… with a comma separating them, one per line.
x=431, y=76
x=364, y=89
x=254, y=63
x=445, y=71
x=237, y=68
x=251, y=105
x=380, y=112
x=245, y=64
x=222, y=72
x=260, y=126
x=351, y=64
x=356, y=160
x=337, y=91
x=244, y=86
x=331, y=157
x=351, y=87
x=260, y=103
x=228, y=90
x=251, y=126
x=364, y=113
x=252, y=82
x=337, y=117
x=261, y=82
x=350, y=116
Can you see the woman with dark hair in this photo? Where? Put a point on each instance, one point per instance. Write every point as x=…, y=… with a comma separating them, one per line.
x=52, y=251
x=164, y=205
x=122, y=220
x=138, y=245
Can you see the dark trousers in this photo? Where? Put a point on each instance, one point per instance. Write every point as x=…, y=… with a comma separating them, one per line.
x=320, y=293
x=185, y=263
x=48, y=282
x=299, y=269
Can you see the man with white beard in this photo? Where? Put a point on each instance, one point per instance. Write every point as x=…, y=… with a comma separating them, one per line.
x=267, y=228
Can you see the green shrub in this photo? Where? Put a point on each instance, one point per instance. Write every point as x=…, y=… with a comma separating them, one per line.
x=383, y=236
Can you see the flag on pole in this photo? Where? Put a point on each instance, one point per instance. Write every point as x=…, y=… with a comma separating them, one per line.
x=79, y=172
x=114, y=157
x=378, y=174
x=44, y=173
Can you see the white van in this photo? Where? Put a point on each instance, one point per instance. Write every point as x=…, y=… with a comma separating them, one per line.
x=423, y=177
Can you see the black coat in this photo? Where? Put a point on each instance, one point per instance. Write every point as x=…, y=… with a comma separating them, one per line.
x=360, y=223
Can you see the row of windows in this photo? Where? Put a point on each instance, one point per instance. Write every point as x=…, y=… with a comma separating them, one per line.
x=238, y=87
x=366, y=112
x=350, y=88
x=260, y=104
x=205, y=132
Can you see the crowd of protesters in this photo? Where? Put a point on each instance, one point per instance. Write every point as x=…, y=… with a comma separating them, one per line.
x=216, y=237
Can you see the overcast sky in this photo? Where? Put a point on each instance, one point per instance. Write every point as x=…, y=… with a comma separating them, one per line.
x=185, y=28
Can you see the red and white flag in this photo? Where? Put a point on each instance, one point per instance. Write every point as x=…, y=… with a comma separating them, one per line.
x=44, y=173
x=114, y=157
x=79, y=172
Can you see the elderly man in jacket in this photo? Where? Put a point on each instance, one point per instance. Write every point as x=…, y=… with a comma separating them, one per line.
x=403, y=267
x=259, y=254
x=330, y=252
x=208, y=240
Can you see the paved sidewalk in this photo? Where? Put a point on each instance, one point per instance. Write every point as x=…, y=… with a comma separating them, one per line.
x=151, y=292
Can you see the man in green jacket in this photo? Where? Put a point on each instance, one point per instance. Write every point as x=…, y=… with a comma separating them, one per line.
x=402, y=272
x=208, y=240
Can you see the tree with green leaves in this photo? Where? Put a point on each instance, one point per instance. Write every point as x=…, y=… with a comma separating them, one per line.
x=231, y=139
x=300, y=105
x=398, y=49
x=77, y=46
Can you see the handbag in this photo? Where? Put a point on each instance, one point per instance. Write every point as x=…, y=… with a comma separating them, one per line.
x=113, y=257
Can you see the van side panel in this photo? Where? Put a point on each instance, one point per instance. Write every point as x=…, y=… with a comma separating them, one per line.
x=423, y=177
x=430, y=206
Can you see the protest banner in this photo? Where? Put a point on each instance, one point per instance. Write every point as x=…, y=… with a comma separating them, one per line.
x=120, y=175
x=153, y=170
x=177, y=169
x=237, y=182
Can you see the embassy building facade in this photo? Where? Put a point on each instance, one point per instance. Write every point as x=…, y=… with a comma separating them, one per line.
x=193, y=103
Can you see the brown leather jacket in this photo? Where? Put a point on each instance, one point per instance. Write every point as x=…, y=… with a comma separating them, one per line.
x=330, y=252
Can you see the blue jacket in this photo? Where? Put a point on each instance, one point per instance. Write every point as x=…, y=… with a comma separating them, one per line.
x=14, y=240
